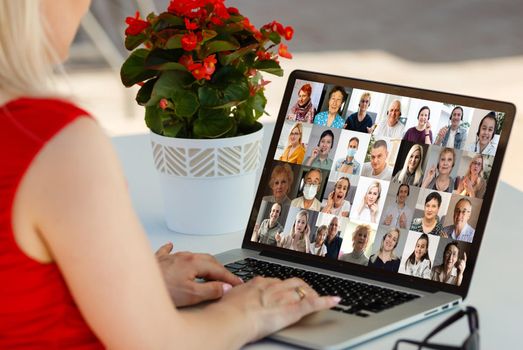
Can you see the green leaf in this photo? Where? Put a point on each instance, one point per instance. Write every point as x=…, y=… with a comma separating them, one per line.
x=144, y=94
x=269, y=66
x=228, y=59
x=275, y=37
x=160, y=59
x=167, y=19
x=133, y=69
x=169, y=82
x=133, y=41
x=153, y=119
x=208, y=35
x=257, y=103
x=172, y=129
x=228, y=87
x=175, y=42
x=185, y=103
x=213, y=123
x=228, y=28
x=219, y=45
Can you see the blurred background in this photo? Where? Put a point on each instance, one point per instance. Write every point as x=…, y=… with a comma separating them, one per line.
x=472, y=47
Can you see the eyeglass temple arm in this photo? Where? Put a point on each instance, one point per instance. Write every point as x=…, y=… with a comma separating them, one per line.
x=425, y=345
x=445, y=324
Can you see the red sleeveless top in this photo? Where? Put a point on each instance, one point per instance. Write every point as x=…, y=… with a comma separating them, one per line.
x=37, y=310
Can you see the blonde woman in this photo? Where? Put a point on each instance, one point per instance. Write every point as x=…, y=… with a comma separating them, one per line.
x=411, y=173
x=299, y=237
x=51, y=296
x=438, y=176
x=360, y=239
x=295, y=151
x=369, y=207
x=280, y=184
x=385, y=258
x=473, y=184
x=319, y=248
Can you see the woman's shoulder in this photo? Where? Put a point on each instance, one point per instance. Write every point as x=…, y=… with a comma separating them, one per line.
x=43, y=105
x=40, y=118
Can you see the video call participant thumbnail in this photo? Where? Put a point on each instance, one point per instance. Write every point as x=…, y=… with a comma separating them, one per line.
x=412, y=172
x=421, y=133
x=377, y=167
x=385, y=258
x=452, y=135
x=303, y=110
x=266, y=231
x=332, y=117
x=295, y=150
x=392, y=127
x=360, y=239
x=311, y=186
x=460, y=230
x=448, y=272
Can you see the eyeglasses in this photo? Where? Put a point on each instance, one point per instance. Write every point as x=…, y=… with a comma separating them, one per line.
x=463, y=211
x=471, y=343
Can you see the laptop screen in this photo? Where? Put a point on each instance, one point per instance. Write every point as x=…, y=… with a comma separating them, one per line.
x=378, y=179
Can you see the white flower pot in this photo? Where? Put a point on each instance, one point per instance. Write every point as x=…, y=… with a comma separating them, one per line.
x=208, y=185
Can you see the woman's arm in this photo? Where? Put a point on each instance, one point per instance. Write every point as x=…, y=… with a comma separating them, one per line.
x=75, y=199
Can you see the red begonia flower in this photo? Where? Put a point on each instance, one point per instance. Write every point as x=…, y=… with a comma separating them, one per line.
x=288, y=33
x=190, y=25
x=136, y=25
x=186, y=60
x=189, y=41
x=209, y=64
x=283, y=52
x=163, y=104
x=233, y=10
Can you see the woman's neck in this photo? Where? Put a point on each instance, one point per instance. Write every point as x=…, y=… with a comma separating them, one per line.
x=385, y=256
x=429, y=222
x=420, y=127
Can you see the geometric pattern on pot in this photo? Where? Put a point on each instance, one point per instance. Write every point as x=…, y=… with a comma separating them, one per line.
x=207, y=162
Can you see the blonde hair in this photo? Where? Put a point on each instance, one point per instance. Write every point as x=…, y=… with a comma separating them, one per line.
x=365, y=94
x=363, y=202
x=298, y=126
x=25, y=50
x=418, y=173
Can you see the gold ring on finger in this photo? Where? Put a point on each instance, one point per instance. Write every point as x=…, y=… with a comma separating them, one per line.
x=301, y=293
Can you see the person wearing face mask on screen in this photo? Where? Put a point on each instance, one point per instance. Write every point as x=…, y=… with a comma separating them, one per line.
x=312, y=182
x=349, y=165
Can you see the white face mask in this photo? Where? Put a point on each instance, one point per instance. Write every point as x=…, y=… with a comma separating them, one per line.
x=351, y=152
x=309, y=191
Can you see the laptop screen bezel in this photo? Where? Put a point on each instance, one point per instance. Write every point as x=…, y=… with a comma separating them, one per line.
x=363, y=271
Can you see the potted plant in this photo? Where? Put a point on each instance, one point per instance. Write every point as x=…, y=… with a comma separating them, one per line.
x=199, y=66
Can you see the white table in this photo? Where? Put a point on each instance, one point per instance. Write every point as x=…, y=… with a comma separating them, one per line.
x=496, y=286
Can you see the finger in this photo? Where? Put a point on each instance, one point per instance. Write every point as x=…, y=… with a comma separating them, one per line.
x=164, y=249
x=207, y=291
x=212, y=270
x=464, y=256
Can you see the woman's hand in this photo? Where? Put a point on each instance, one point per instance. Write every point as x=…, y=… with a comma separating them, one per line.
x=429, y=176
x=427, y=127
x=373, y=211
x=181, y=269
x=269, y=304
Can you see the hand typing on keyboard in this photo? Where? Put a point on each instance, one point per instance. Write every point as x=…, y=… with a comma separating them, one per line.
x=181, y=271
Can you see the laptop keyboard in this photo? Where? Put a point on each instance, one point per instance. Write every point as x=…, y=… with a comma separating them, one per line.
x=358, y=298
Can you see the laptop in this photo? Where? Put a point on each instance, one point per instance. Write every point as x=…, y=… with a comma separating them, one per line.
x=375, y=192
